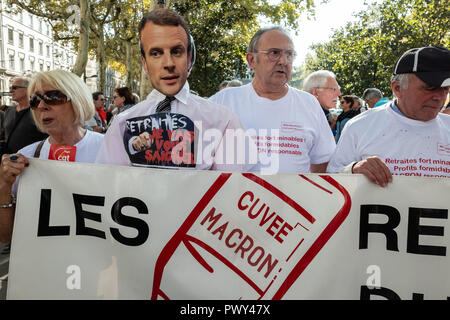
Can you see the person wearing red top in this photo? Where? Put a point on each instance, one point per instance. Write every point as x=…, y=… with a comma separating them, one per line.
x=99, y=103
x=100, y=114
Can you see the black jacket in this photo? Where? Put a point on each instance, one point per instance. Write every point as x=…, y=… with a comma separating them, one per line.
x=19, y=130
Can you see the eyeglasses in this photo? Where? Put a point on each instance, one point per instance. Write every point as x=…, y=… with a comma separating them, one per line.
x=275, y=54
x=343, y=101
x=115, y=97
x=334, y=89
x=52, y=98
x=16, y=87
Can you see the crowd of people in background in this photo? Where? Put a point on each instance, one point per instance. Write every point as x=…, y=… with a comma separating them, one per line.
x=322, y=84
x=123, y=99
x=55, y=107
x=337, y=111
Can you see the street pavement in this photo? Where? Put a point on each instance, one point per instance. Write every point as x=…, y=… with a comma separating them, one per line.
x=4, y=266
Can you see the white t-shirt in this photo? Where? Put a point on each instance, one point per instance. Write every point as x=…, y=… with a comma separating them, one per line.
x=210, y=123
x=408, y=147
x=292, y=131
x=86, y=151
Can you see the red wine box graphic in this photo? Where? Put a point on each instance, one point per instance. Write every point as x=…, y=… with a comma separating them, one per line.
x=250, y=237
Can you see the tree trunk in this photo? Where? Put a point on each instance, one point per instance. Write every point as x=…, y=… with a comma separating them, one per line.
x=83, y=40
x=101, y=60
x=128, y=63
x=145, y=85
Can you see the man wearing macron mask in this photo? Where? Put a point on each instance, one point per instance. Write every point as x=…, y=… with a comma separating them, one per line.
x=172, y=128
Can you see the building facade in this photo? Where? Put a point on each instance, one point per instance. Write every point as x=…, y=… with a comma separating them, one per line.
x=27, y=47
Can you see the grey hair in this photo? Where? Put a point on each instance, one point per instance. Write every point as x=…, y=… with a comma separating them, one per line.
x=234, y=83
x=372, y=93
x=358, y=99
x=24, y=80
x=317, y=79
x=402, y=79
x=253, y=45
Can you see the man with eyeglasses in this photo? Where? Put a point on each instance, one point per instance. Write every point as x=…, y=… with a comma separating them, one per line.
x=409, y=136
x=323, y=85
x=287, y=123
x=19, y=127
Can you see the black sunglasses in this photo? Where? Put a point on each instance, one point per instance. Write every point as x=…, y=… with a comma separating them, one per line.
x=51, y=98
x=16, y=87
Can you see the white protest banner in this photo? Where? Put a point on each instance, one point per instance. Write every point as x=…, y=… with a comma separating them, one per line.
x=85, y=231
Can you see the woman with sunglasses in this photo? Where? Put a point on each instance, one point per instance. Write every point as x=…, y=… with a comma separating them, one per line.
x=60, y=104
x=347, y=103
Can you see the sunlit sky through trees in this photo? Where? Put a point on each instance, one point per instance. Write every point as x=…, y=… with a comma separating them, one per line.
x=332, y=15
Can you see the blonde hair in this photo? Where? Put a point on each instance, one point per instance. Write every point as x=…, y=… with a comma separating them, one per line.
x=72, y=86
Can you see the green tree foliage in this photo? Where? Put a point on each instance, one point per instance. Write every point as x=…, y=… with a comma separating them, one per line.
x=298, y=75
x=222, y=30
x=87, y=25
x=105, y=13
x=363, y=53
x=123, y=39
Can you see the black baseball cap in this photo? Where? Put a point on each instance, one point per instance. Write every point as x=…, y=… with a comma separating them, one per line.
x=430, y=64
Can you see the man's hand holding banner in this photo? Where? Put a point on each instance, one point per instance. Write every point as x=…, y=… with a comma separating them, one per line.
x=86, y=231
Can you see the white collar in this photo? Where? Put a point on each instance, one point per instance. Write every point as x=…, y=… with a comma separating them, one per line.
x=181, y=96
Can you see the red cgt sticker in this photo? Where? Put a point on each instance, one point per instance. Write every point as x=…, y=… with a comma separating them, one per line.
x=62, y=153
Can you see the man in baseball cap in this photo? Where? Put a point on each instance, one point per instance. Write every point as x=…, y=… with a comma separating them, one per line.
x=430, y=64
x=396, y=138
